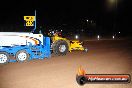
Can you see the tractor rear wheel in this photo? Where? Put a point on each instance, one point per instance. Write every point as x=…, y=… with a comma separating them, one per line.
x=60, y=47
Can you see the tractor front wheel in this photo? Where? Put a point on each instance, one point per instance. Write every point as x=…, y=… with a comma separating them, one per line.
x=86, y=50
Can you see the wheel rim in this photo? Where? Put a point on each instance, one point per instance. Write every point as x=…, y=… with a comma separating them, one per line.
x=62, y=48
x=3, y=58
x=22, y=56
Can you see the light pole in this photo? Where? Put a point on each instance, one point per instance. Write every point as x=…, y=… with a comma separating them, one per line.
x=115, y=17
x=114, y=4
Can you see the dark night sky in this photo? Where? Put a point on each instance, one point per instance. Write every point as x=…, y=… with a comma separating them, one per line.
x=53, y=12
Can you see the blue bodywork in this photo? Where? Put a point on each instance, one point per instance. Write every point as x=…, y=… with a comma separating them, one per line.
x=35, y=51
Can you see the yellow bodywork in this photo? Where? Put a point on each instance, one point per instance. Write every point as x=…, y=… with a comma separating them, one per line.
x=76, y=45
x=73, y=45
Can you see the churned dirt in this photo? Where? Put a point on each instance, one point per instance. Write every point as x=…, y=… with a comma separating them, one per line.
x=103, y=57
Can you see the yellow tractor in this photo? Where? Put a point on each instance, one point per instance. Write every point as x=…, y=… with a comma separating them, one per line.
x=60, y=46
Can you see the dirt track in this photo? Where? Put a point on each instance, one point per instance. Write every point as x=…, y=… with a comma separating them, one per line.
x=104, y=57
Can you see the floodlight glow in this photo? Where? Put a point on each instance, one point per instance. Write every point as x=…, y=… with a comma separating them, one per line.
x=113, y=37
x=98, y=37
x=76, y=36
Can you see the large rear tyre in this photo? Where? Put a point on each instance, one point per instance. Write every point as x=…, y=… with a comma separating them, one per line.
x=22, y=55
x=60, y=47
x=4, y=57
